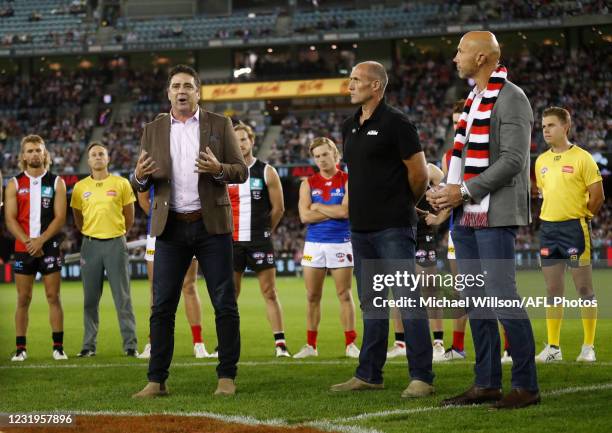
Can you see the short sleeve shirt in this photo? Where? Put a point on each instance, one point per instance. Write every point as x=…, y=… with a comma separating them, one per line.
x=379, y=193
x=564, y=179
x=101, y=202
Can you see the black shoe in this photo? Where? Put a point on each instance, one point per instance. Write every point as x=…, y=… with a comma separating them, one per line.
x=86, y=353
x=132, y=353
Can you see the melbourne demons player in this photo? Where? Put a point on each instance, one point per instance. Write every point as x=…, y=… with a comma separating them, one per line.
x=323, y=206
x=257, y=207
x=35, y=212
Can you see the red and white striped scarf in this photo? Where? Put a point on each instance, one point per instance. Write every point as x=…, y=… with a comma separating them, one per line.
x=477, y=141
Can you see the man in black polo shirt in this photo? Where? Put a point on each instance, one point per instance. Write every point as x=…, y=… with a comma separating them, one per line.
x=387, y=176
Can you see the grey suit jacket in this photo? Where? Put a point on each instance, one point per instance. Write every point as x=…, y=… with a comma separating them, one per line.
x=507, y=177
x=217, y=133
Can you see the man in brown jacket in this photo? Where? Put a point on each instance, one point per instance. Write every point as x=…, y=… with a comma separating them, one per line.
x=188, y=157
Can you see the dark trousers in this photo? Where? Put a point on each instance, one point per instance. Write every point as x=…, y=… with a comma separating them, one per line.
x=490, y=252
x=174, y=250
x=390, y=244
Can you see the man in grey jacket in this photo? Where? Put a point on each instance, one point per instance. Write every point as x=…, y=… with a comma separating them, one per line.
x=488, y=185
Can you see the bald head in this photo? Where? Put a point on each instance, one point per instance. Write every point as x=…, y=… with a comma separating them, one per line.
x=478, y=54
x=484, y=43
x=375, y=71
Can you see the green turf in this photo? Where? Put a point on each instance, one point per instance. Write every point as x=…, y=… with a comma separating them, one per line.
x=294, y=391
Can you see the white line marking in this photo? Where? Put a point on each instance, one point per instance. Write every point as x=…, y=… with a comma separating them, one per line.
x=386, y=413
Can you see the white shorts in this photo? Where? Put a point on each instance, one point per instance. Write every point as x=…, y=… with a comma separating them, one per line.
x=326, y=255
x=451, y=248
x=150, y=250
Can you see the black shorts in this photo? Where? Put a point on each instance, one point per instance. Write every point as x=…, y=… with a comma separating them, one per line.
x=426, y=252
x=566, y=241
x=257, y=256
x=50, y=262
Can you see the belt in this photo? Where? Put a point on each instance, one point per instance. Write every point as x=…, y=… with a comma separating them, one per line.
x=91, y=238
x=188, y=217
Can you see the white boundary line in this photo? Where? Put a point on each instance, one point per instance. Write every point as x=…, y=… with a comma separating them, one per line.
x=335, y=425
x=386, y=413
x=143, y=363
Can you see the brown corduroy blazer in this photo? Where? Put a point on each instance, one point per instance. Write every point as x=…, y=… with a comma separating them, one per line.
x=217, y=133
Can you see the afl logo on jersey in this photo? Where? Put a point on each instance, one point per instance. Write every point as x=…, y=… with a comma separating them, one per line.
x=23, y=191
x=543, y=170
x=316, y=192
x=86, y=194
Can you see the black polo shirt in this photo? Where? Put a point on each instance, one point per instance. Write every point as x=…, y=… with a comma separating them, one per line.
x=379, y=193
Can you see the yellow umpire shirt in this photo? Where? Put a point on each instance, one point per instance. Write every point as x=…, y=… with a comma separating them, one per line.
x=101, y=202
x=564, y=178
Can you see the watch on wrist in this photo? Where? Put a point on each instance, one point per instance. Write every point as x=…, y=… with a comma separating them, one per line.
x=465, y=195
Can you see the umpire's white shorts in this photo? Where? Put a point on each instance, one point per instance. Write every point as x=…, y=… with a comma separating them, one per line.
x=327, y=255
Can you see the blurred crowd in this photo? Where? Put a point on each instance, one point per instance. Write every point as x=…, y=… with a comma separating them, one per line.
x=66, y=107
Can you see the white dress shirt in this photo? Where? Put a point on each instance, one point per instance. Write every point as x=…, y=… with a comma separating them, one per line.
x=184, y=149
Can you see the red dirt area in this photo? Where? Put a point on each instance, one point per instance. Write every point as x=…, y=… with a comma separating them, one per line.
x=155, y=424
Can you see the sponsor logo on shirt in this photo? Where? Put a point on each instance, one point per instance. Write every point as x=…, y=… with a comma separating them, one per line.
x=372, y=132
x=567, y=169
x=337, y=193
x=46, y=191
x=23, y=191
x=256, y=183
x=111, y=193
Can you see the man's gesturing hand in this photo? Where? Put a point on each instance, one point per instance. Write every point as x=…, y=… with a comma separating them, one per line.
x=208, y=163
x=145, y=166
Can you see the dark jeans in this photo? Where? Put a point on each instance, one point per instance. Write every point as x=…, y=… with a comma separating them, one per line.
x=490, y=251
x=174, y=250
x=390, y=244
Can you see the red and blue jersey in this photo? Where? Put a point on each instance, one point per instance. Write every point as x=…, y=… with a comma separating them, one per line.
x=328, y=192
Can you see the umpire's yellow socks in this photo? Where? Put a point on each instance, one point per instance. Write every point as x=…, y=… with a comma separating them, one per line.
x=554, y=317
x=589, y=323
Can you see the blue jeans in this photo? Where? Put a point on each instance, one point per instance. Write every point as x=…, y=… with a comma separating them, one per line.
x=490, y=251
x=174, y=250
x=390, y=244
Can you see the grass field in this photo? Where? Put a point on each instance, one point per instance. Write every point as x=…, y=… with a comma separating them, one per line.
x=576, y=397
